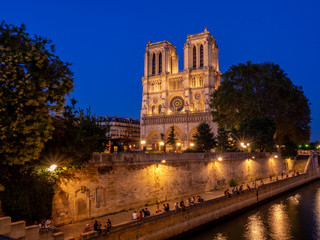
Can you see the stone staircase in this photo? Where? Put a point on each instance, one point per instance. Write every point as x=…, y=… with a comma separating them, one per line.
x=300, y=163
x=18, y=230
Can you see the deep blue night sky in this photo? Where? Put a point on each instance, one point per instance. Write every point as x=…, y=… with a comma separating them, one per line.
x=105, y=41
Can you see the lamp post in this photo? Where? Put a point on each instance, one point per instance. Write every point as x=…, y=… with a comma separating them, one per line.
x=52, y=167
x=162, y=146
x=143, y=142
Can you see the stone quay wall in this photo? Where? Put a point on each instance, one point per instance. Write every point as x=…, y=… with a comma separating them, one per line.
x=170, y=224
x=114, y=182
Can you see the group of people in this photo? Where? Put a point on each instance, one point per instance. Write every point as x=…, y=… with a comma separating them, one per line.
x=178, y=206
x=97, y=226
x=189, y=202
x=242, y=189
x=46, y=224
x=144, y=212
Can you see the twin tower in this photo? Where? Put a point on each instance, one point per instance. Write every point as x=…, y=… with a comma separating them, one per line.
x=178, y=98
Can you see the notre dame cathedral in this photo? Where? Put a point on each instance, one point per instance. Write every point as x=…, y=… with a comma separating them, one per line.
x=179, y=99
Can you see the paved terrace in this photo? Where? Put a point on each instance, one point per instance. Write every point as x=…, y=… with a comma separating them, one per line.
x=75, y=229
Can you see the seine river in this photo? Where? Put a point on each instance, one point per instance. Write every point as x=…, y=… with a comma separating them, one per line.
x=295, y=215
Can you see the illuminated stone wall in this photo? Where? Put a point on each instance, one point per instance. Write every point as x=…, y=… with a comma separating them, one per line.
x=113, y=182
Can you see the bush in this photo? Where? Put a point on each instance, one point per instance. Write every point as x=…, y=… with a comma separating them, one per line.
x=233, y=182
x=189, y=150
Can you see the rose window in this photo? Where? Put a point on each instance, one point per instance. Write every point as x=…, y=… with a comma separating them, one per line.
x=176, y=104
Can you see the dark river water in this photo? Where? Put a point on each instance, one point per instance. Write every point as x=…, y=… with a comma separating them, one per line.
x=295, y=215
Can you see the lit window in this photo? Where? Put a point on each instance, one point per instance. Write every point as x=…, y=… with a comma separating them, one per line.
x=201, y=56
x=153, y=64
x=194, y=57
x=160, y=63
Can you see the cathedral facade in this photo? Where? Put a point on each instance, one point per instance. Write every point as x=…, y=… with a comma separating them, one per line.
x=178, y=99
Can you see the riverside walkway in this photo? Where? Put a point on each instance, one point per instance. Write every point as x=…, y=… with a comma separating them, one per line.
x=75, y=229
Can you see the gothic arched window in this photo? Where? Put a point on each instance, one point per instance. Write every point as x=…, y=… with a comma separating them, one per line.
x=201, y=56
x=194, y=57
x=160, y=63
x=159, y=109
x=153, y=109
x=153, y=64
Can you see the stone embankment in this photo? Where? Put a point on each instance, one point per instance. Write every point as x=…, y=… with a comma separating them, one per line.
x=172, y=223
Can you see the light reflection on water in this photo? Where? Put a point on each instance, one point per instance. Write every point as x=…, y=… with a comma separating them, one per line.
x=279, y=222
x=220, y=236
x=316, y=212
x=295, y=215
x=255, y=228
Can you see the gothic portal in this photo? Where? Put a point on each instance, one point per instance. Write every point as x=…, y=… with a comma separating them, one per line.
x=179, y=99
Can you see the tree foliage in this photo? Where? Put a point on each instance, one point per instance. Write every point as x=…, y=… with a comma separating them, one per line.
x=33, y=85
x=257, y=91
x=224, y=142
x=76, y=136
x=260, y=134
x=204, y=139
x=171, y=140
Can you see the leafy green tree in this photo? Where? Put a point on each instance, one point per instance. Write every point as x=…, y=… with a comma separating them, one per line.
x=260, y=134
x=33, y=85
x=257, y=91
x=76, y=136
x=171, y=140
x=224, y=142
x=204, y=139
x=289, y=148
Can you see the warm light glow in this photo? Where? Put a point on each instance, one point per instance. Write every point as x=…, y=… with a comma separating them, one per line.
x=52, y=167
x=178, y=144
x=253, y=157
x=276, y=156
x=163, y=161
x=242, y=144
x=143, y=142
x=248, y=144
x=161, y=143
x=220, y=158
x=191, y=144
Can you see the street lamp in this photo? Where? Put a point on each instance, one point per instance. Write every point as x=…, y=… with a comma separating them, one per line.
x=52, y=167
x=143, y=142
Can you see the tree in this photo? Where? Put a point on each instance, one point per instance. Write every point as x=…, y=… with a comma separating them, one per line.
x=76, y=136
x=33, y=85
x=260, y=133
x=204, y=139
x=223, y=140
x=171, y=140
x=257, y=91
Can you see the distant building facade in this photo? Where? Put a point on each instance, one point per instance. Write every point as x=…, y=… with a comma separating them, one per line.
x=178, y=99
x=124, y=133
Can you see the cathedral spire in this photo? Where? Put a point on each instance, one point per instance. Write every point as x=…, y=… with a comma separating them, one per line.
x=206, y=30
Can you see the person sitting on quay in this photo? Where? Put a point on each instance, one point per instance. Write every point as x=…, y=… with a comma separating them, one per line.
x=270, y=178
x=166, y=207
x=248, y=187
x=158, y=210
x=193, y=200
x=97, y=227
x=176, y=207
x=261, y=182
x=182, y=206
x=227, y=194
x=241, y=189
x=87, y=228
x=49, y=224
x=134, y=215
x=147, y=212
x=140, y=216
